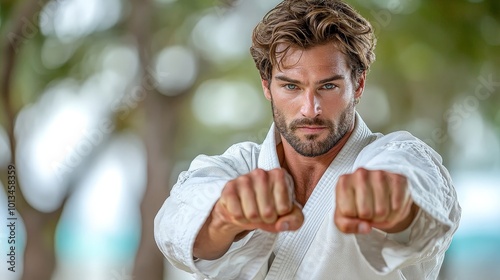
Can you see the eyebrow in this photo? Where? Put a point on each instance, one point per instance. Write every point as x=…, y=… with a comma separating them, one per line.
x=293, y=81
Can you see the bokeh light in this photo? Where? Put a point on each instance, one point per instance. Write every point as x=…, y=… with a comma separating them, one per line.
x=58, y=18
x=176, y=70
x=78, y=90
x=227, y=103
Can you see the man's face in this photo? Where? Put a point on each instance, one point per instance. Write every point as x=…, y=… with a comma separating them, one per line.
x=312, y=96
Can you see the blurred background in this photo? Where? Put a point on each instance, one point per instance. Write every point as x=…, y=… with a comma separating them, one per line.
x=104, y=103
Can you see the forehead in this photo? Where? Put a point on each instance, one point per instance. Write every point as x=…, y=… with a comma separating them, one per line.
x=323, y=59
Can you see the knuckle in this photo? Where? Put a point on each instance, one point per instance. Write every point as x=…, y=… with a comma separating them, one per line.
x=382, y=212
x=268, y=213
x=260, y=173
x=284, y=208
x=396, y=206
x=238, y=216
x=365, y=214
x=229, y=189
x=244, y=180
x=230, y=185
x=361, y=172
x=349, y=213
x=279, y=173
x=360, y=178
x=252, y=215
x=344, y=178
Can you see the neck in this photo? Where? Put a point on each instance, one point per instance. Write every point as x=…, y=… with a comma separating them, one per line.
x=307, y=171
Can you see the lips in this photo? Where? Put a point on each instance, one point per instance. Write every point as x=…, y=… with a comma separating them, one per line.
x=308, y=123
x=311, y=129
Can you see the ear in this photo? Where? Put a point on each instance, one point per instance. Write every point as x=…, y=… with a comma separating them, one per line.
x=265, y=88
x=361, y=85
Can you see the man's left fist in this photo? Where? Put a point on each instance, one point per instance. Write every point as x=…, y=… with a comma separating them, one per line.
x=373, y=198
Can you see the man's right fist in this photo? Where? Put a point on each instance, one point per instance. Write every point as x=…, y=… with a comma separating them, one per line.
x=260, y=200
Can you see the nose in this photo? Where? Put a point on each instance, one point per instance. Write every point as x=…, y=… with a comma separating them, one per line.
x=311, y=105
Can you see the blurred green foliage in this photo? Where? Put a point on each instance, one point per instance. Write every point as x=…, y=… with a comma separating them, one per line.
x=430, y=55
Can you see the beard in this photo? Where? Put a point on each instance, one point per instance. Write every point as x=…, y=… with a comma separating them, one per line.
x=311, y=146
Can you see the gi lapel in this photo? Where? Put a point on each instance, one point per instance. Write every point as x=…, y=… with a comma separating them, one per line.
x=291, y=247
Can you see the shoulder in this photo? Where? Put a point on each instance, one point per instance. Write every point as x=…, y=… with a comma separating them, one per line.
x=395, y=138
x=243, y=148
x=237, y=155
x=399, y=142
x=241, y=157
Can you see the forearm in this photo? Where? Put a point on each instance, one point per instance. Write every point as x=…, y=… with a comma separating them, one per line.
x=215, y=238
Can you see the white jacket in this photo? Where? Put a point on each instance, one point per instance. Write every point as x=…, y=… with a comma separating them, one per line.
x=318, y=250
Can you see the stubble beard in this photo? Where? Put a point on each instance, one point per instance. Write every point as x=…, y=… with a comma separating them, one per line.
x=311, y=147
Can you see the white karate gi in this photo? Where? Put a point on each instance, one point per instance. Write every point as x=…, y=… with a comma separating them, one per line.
x=318, y=250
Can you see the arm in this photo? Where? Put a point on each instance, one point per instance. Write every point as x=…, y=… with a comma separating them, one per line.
x=436, y=211
x=193, y=197
x=190, y=230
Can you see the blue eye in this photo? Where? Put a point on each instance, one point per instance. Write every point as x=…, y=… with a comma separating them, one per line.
x=290, y=86
x=329, y=86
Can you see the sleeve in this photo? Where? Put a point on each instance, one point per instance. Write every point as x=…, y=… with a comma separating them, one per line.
x=431, y=188
x=190, y=202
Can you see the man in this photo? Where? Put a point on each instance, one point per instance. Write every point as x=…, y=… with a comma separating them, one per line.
x=322, y=197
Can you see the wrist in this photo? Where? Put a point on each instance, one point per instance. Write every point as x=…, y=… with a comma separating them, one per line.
x=219, y=223
x=215, y=237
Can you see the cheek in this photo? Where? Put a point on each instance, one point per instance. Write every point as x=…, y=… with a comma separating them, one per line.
x=284, y=102
x=335, y=103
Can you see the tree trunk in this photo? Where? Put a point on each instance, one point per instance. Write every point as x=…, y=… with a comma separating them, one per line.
x=39, y=253
x=158, y=135
x=159, y=139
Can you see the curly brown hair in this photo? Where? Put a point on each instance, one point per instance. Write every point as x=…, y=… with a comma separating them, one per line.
x=308, y=23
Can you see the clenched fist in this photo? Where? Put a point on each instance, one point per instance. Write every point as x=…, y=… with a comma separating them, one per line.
x=257, y=200
x=373, y=198
x=260, y=199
